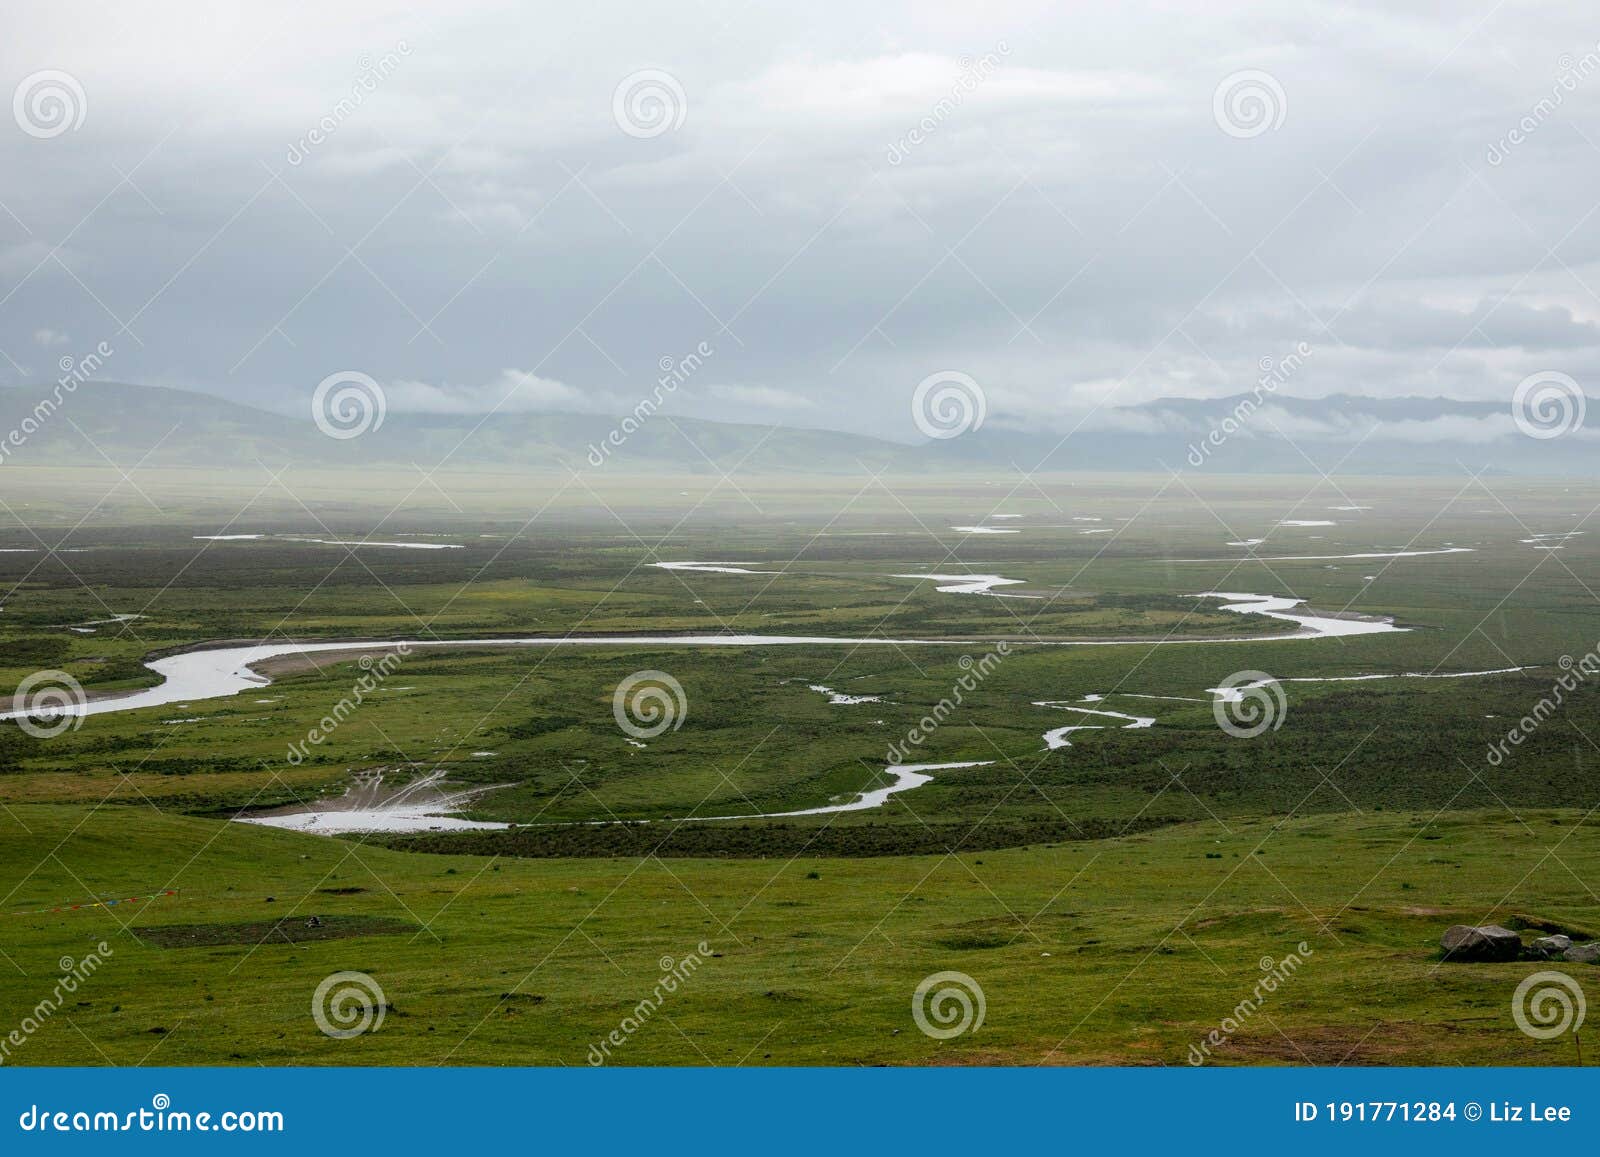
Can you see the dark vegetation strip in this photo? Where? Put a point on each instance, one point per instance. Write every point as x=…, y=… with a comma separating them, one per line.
x=769, y=840
x=287, y=930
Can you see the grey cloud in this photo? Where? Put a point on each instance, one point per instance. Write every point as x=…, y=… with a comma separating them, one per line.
x=1075, y=231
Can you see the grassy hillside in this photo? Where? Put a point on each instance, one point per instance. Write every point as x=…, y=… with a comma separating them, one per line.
x=1118, y=951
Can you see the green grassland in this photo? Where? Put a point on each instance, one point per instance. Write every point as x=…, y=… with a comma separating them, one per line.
x=1123, y=951
x=1113, y=898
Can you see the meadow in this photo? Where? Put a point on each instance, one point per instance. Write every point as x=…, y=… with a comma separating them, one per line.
x=1114, y=898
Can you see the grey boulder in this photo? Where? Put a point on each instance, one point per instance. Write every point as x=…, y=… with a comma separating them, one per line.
x=1483, y=942
x=1552, y=945
x=1583, y=953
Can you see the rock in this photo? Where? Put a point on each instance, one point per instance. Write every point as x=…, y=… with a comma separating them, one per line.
x=1583, y=953
x=1552, y=945
x=1485, y=942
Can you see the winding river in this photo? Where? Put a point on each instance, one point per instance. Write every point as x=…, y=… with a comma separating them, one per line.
x=221, y=671
x=218, y=672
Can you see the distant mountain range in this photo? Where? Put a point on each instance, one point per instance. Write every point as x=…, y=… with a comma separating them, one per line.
x=164, y=427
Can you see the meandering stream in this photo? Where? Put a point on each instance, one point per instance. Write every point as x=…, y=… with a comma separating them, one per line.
x=217, y=672
x=221, y=671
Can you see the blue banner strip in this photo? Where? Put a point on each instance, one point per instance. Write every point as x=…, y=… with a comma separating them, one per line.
x=782, y=1111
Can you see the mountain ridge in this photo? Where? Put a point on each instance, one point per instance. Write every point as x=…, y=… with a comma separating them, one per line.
x=99, y=423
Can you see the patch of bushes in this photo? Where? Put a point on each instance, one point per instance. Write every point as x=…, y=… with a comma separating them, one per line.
x=764, y=840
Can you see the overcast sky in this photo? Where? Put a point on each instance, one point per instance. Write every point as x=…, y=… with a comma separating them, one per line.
x=1078, y=205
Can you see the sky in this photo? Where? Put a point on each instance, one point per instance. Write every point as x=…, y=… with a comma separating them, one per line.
x=1079, y=207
